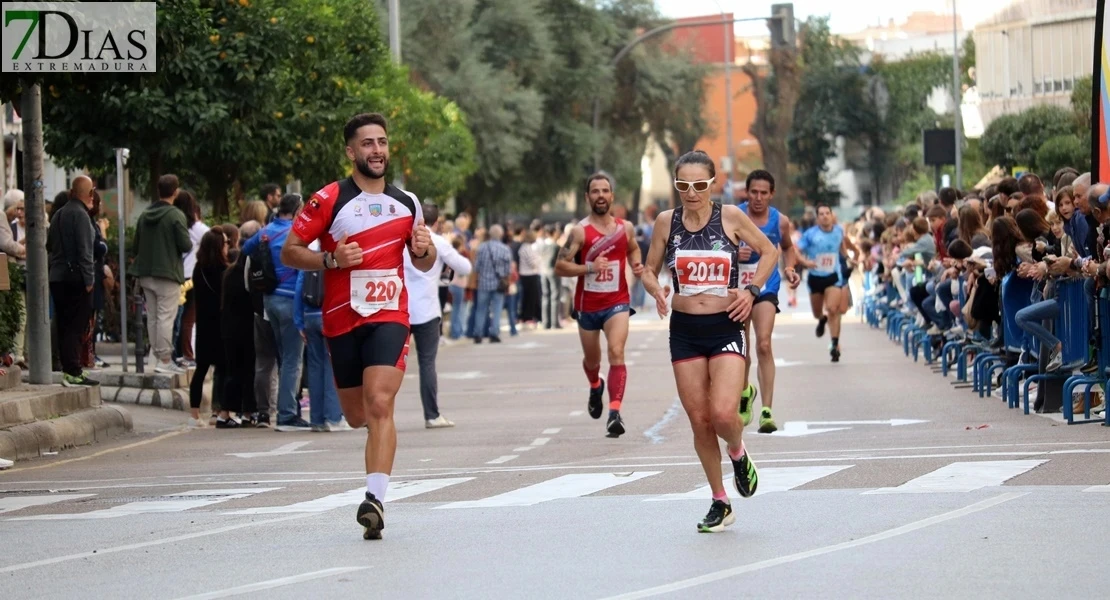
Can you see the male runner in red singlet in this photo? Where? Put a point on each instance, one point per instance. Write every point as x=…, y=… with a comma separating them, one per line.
x=365, y=226
x=596, y=251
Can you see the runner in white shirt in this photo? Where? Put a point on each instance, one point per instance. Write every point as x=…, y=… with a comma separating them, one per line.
x=426, y=315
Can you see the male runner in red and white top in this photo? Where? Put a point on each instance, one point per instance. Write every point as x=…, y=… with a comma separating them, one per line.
x=365, y=226
x=596, y=252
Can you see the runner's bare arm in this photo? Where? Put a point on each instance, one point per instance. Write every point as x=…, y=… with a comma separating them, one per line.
x=421, y=249
x=846, y=244
x=737, y=221
x=787, y=244
x=296, y=255
x=654, y=262
x=634, y=255
x=564, y=264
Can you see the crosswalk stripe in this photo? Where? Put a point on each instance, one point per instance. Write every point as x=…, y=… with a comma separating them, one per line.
x=14, y=503
x=398, y=490
x=771, y=479
x=170, y=503
x=566, y=486
x=964, y=477
x=1099, y=488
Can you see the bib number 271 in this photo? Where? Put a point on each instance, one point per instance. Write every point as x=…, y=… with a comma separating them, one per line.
x=375, y=290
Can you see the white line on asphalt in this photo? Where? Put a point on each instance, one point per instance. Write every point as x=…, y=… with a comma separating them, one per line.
x=1099, y=488
x=398, y=490
x=524, y=448
x=790, y=558
x=577, y=413
x=653, y=433
x=502, y=459
x=279, y=451
x=20, y=502
x=552, y=431
x=635, y=354
x=273, y=583
x=770, y=480
x=963, y=477
x=171, y=503
x=540, y=441
x=147, y=544
x=566, y=486
x=847, y=450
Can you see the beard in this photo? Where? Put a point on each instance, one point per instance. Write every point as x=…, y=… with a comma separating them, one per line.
x=363, y=166
x=600, y=209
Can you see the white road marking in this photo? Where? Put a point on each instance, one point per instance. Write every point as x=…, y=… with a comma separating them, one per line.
x=398, y=490
x=850, y=450
x=629, y=363
x=502, y=459
x=790, y=558
x=770, y=480
x=528, y=345
x=524, y=449
x=464, y=375
x=14, y=503
x=635, y=354
x=782, y=363
x=963, y=477
x=552, y=431
x=1099, y=488
x=577, y=413
x=801, y=428
x=653, y=433
x=171, y=503
x=540, y=441
x=291, y=448
x=273, y=583
x=566, y=486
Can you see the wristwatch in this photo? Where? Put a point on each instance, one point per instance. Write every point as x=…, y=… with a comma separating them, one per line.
x=328, y=255
x=753, y=290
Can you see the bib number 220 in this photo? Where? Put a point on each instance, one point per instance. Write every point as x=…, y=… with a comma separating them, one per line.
x=375, y=290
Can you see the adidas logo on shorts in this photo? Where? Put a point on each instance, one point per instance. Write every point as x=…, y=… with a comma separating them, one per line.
x=732, y=347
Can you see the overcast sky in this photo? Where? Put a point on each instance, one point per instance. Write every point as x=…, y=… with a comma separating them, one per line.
x=846, y=16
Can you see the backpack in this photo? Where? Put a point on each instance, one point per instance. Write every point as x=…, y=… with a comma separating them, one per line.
x=312, y=290
x=262, y=274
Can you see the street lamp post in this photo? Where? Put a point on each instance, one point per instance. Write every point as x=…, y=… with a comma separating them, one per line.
x=957, y=97
x=395, y=50
x=728, y=93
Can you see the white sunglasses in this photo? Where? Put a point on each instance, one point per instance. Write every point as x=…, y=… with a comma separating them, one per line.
x=699, y=186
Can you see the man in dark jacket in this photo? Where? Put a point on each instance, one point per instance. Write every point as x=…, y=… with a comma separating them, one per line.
x=161, y=241
x=70, y=246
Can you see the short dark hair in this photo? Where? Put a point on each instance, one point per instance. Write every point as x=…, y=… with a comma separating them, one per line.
x=696, y=157
x=937, y=212
x=431, y=212
x=1008, y=186
x=821, y=205
x=1060, y=173
x=269, y=189
x=290, y=204
x=1030, y=183
x=362, y=120
x=167, y=186
x=600, y=175
x=948, y=196
x=760, y=175
x=959, y=249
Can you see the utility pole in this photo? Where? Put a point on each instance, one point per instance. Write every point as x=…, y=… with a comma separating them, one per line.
x=38, y=288
x=957, y=99
x=121, y=203
x=395, y=50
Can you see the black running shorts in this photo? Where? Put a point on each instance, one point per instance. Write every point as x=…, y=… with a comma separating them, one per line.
x=695, y=337
x=771, y=297
x=368, y=345
x=819, y=283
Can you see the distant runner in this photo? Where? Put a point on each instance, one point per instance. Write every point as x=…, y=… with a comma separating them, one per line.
x=761, y=190
x=822, y=245
x=595, y=252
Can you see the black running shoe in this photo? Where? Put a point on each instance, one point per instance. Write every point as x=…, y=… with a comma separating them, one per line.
x=720, y=516
x=596, y=396
x=821, y=325
x=615, y=426
x=746, y=477
x=372, y=517
x=835, y=354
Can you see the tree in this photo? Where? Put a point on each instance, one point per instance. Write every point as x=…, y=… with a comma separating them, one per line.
x=1014, y=140
x=1062, y=151
x=776, y=95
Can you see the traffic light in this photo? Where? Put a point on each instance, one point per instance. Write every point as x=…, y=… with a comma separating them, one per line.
x=782, y=25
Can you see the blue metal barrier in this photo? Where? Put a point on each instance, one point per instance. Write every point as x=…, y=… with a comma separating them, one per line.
x=1087, y=381
x=1072, y=327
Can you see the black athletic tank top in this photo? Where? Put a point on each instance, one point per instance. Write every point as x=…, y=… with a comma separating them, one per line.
x=710, y=237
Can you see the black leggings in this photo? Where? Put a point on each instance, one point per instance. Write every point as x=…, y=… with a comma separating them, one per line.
x=196, y=386
x=239, y=391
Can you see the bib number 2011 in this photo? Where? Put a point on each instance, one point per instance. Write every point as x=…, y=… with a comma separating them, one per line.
x=701, y=272
x=375, y=290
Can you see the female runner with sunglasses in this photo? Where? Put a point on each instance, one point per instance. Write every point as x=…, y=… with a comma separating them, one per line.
x=698, y=242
